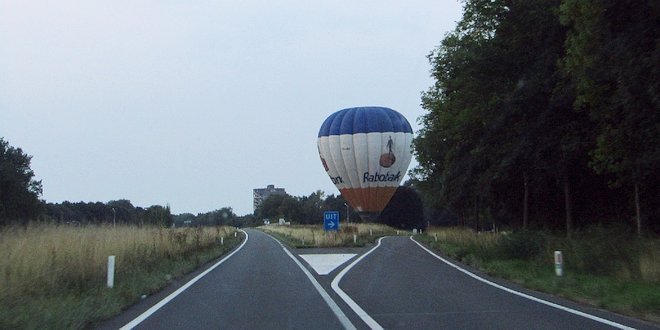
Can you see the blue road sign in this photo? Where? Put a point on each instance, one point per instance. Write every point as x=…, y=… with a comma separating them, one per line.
x=331, y=220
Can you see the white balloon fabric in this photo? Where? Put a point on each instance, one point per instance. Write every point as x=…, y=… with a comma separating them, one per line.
x=366, y=152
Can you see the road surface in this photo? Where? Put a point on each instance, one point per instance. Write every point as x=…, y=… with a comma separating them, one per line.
x=397, y=284
x=400, y=285
x=259, y=287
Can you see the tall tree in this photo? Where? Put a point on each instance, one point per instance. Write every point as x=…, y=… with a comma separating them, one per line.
x=19, y=191
x=500, y=135
x=612, y=56
x=312, y=208
x=460, y=106
x=159, y=216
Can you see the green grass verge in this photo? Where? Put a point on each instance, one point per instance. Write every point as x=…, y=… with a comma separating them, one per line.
x=633, y=297
x=77, y=309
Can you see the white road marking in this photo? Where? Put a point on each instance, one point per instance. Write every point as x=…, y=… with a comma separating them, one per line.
x=520, y=294
x=352, y=304
x=323, y=264
x=173, y=295
x=326, y=297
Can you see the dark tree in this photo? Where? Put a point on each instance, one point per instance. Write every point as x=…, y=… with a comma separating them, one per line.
x=405, y=210
x=159, y=216
x=19, y=191
x=279, y=206
x=311, y=208
x=613, y=58
x=529, y=119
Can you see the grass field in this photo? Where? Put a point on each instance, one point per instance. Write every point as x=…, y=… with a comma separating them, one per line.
x=55, y=276
x=602, y=268
x=301, y=236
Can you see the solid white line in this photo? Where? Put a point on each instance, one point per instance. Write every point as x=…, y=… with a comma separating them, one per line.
x=520, y=294
x=352, y=304
x=173, y=295
x=326, y=297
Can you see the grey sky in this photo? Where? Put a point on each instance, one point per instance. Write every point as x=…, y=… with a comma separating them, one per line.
x=195, y=103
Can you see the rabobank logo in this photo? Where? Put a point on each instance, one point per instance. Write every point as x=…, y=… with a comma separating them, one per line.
x=336, y=179
x=388, y=159
x=325, y=165
x=378, y=177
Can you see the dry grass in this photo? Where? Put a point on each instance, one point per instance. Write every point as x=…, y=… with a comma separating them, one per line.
x=463, y=236
x=315, y=236
x=457, y=236
x=649, y=262
x=40, y=261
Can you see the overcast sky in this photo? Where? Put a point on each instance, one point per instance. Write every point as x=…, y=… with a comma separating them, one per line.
x=195, y=103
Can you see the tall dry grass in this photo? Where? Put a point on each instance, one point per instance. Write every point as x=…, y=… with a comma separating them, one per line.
x=40, y=259
x=464, y=236
x=463, y=243
x=649, y=262
x=315, y=236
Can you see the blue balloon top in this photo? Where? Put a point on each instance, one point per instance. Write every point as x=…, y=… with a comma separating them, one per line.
x=364, y=120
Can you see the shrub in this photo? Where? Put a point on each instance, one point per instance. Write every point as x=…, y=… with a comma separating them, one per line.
x=605, y=251
x=523, y=245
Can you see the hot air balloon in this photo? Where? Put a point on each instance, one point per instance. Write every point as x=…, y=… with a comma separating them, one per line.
x=366, y=152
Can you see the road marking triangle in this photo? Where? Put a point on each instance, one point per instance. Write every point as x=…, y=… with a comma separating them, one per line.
x=323, y=264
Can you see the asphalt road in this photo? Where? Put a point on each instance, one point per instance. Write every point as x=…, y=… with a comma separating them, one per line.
x=394, y=285
x=400, y=285
x=259, y=287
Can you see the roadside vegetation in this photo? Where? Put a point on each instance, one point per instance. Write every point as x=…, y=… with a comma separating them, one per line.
x=537, y=119
x=536, y=122
x=614, y=271
x=308, y=236
x=54, y=276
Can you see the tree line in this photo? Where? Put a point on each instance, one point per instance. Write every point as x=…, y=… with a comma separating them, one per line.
x=20, y=201
x=544, y=114
x=118, y=212
x=303, y=209
x=222, y=217
x=405, y=210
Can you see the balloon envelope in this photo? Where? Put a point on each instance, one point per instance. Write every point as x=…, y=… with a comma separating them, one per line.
x=366, y=152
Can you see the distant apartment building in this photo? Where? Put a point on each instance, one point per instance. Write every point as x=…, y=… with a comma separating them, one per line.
x=260, y=194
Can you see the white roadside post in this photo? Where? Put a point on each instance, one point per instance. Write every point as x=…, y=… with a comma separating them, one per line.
x=559, y=263
x=111, y=271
